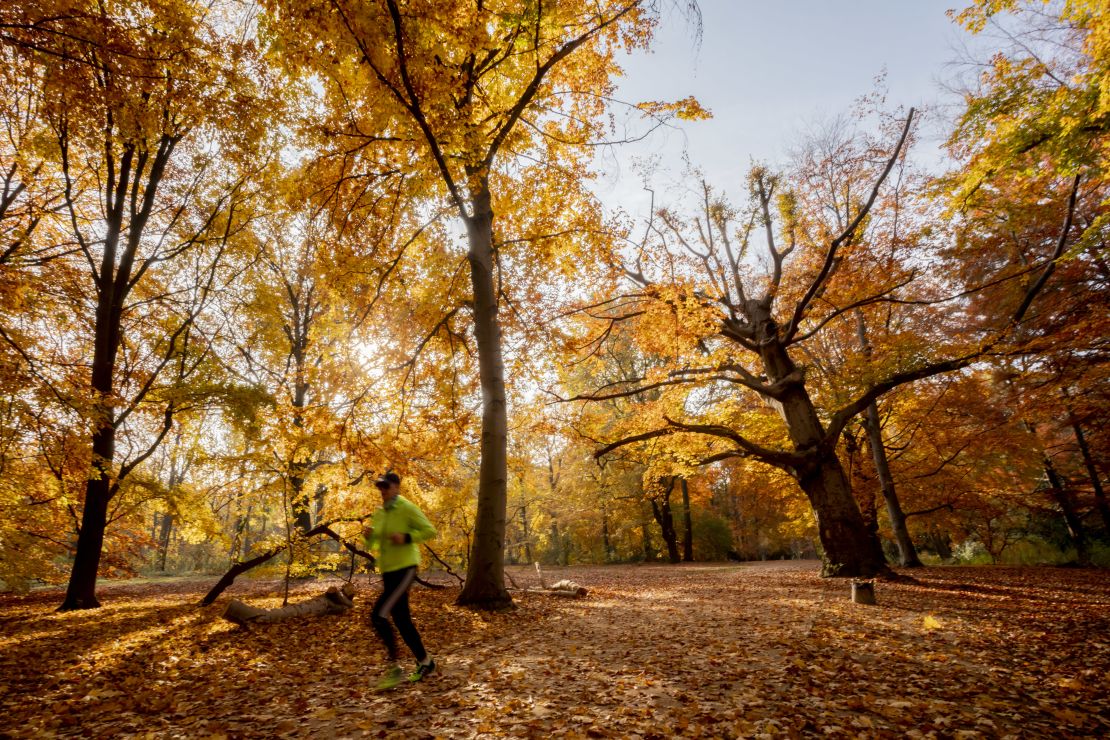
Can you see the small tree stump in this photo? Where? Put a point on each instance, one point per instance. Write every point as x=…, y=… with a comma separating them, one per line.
x=863, y=592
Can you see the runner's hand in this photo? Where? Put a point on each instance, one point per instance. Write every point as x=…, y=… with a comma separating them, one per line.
x=397, y=538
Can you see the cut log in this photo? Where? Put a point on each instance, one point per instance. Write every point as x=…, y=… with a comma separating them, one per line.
x=557, y=592
x=332, y=601
x=569, y=589
x=570, y=586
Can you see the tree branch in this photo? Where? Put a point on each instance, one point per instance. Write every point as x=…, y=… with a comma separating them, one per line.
x=1036, y=287
x=841, y=417
x=830, y=256
x=533, y=86
x=876, y=298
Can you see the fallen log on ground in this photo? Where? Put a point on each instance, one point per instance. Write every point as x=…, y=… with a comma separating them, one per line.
x=569, y=586
x=325, y=529
x=238, y=569
x=557, y=592
x=564, y=587
x=569, y=589
x=332, y=601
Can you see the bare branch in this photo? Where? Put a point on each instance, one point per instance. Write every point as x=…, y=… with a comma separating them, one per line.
x=1036, y=287
x=830, y=256
x=533, y=86
x=778, y=458
x=841, y=417
x=876, y=298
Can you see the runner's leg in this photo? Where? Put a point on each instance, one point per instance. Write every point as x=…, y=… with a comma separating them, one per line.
x=402, y=617
x=379, y=615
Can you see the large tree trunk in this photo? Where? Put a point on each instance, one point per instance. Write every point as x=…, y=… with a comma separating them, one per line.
x=164, y=533
x=688, y=525
x=113, y=285
x=851, y=550
x=1059, y=494
x=1092, y=471
x=661, y=508
x=863, y=491
x=485, y=573
x=81, y=591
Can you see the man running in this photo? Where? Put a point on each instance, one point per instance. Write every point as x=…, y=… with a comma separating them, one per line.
x=396, y=530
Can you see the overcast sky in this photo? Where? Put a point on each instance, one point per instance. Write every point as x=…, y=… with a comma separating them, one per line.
x=766, y=69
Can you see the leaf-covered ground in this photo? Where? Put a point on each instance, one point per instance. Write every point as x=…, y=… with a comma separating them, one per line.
x=654, y=651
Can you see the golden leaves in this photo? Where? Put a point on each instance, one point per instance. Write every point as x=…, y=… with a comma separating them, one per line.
x=686, y=109
x=1038, y=105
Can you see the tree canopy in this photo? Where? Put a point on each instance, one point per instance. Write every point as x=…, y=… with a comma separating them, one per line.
x=253, y=255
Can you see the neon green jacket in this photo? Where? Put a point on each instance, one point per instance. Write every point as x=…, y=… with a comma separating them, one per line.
x=402, y=517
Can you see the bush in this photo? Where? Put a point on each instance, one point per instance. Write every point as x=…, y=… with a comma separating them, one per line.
x=712, y=536
x=1036, y=551
x=1100, y=554
x=971, y=552
x=1032, y=550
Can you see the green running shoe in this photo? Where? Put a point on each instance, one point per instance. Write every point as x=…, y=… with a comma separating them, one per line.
x=422, y=670
x=392, y=679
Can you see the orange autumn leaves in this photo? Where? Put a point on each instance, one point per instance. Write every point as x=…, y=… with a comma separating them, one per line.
x=701, y=650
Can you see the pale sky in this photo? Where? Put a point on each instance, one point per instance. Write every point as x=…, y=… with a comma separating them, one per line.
x=766, y=69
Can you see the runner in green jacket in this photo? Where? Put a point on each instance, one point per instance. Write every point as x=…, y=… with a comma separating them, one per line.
x=395, y=534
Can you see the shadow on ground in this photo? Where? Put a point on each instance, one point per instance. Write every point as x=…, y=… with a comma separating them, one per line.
x=699, y=650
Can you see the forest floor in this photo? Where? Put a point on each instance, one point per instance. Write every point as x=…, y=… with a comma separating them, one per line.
x=656, y=651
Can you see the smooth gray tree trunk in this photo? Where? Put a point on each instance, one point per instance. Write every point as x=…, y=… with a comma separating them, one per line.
x=907, y=553
x=485, y=573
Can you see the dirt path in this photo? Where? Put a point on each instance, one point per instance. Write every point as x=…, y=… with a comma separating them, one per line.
x=654, y=651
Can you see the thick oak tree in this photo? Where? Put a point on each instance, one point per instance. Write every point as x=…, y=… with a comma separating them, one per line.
x=723, y=315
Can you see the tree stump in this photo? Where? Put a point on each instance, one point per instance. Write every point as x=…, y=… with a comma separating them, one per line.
x=332, y=601
x=863, y=592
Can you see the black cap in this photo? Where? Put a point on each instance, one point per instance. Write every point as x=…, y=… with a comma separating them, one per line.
x=384, y=481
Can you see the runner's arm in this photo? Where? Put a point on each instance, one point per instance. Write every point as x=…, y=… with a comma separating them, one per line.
x=371, y=535
x=420, y=529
